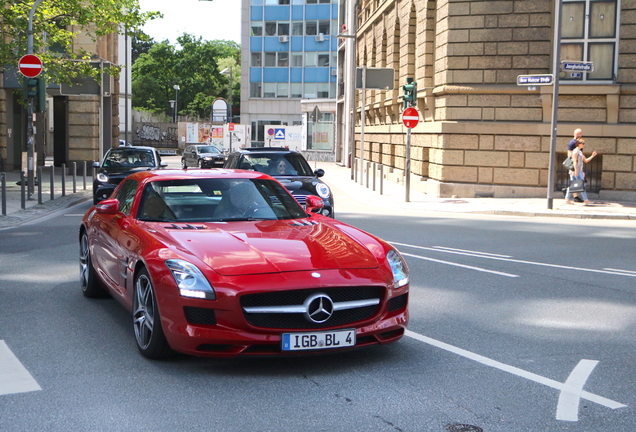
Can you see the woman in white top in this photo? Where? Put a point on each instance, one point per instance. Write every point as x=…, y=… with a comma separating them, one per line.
x=579, y=160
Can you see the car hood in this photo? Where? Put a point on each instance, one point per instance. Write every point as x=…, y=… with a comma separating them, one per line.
x=216, y=155
x=242, y=248
x=123, y=171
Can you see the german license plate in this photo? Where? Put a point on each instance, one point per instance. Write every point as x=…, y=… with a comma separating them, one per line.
x=318, y=340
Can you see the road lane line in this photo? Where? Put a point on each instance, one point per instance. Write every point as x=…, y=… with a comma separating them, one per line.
x=472, y=252
x=14, y=378
x=621, y=271
x=511, y=369
x=617, y=273
x=568, y=406
x=459, y=265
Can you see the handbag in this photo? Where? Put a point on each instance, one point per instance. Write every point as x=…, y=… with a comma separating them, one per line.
x=577, y=185
x=569, y=163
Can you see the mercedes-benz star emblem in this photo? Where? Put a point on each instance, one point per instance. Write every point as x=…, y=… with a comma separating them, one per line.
x=318, y=308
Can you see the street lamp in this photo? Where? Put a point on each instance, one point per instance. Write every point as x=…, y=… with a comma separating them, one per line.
x=228, y=71
x=172, y=104
x=176, y=102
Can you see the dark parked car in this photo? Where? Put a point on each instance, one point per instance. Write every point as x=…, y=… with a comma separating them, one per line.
x=118, y=164
x=288, y=167
x=202, y=156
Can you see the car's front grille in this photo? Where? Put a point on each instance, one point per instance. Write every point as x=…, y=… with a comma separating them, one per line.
x=297, y=320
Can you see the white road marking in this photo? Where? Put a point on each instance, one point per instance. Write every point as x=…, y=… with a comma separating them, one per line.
x=459, y=265
x=14, y=378
x=621, y=271
x=616, y=272
x=568, y=406
x=472, y=252
x=513, y=370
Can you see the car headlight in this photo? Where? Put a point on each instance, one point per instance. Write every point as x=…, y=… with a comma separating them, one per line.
x=207, y=158
x=102, y=178
x=190, y=280
x=398, y=268
x=322, y=190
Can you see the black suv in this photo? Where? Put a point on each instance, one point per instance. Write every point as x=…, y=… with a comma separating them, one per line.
x=288, y=167
x=118, y=163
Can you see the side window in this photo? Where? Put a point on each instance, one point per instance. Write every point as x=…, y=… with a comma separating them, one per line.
x=125, y=196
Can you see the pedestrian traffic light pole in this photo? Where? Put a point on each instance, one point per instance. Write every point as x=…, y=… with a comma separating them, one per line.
x=30, y=113
x=409, y=99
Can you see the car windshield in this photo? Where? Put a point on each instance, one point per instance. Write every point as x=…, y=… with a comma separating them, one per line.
x=277, y=164
x=208, y=149
x=129, y=157
x=217, y=200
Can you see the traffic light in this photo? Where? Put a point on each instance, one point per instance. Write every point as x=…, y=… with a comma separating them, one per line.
x=410, y=93
x=36, y=88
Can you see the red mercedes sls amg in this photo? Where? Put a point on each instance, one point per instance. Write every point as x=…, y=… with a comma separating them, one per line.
x=223, y=263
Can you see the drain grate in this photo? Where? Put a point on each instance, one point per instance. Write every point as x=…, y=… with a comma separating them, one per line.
x=456, y=427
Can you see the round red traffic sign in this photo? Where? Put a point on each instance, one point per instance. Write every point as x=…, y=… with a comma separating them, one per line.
x=30, y=65
x=410, y=117
x=270, y=131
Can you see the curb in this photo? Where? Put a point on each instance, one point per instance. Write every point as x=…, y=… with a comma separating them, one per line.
x=41, y=210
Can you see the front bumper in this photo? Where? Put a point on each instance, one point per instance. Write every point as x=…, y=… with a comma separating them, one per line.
x=219, y=328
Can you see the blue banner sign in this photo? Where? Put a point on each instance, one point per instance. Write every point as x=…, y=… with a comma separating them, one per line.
x=535, y=79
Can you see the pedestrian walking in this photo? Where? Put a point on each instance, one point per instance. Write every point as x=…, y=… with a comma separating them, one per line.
x=579, y=161
x=578, y=134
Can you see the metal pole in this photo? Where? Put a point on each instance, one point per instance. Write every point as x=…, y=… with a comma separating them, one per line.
x=556, y=60
x=350, y=82
x=22, y=191
x=39, y=185
x=375, y=168
x=84, y=174
x=3, y=178
x=52, y=181
x=363, y=120
x=63, y=179
x=381, y=179
x=230, y=97
x=407, y=167
x=30, y=125
x=74, y=177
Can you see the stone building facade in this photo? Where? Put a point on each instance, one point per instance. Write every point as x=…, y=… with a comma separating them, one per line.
x=77, y=125
x=481, y=134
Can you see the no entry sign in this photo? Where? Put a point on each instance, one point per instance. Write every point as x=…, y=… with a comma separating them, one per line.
x=30, y=66
x=410, y=117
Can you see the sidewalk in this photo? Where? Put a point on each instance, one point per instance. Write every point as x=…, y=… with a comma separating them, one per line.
x=349, y=196
x=15, y=215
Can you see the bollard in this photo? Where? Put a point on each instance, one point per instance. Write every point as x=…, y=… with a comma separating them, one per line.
x=381, y=178
x=39, y=185
x=375, y=168
x=3, y=178
x=84, y=173
x=22, y=191
x=74, y=177
x=52, y=181
x=63, y=179
x=367, y=173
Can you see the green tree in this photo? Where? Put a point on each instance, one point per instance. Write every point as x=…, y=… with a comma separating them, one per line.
x=193, y=65
x=56, y=24
x=140, y=44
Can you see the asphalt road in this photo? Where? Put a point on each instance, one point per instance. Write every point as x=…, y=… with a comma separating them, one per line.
x=516, y=325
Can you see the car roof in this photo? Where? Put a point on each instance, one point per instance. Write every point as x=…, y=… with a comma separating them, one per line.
x=132, y=148
x=266, y=150
x=183, y=174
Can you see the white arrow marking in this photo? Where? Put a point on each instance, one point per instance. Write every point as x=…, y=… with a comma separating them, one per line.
x=568, y=406
x=14, y=378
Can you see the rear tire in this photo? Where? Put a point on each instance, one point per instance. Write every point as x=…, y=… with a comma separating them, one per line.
x=88, y=276
x=149, y=335
x=184, y=165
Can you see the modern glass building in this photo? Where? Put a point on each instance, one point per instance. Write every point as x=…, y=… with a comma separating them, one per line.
x=289, y=54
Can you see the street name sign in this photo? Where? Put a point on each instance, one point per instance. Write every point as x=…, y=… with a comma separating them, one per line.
x=30, y=66
x=410, y=117
x=547, y=79
x=577, y=66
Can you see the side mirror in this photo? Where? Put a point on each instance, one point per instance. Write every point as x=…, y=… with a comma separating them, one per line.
x=109, y=206
x=314, y=203
x=95, y=164
x=319, y=172
x=163, y=164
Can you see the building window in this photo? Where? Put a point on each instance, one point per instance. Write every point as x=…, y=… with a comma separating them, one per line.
x=297, y=28
x=256, y=59
x=323, y=59
x=257, y=28
x=283, y=29
x=297, y=60
x=255, y=89
x=323, y=91
x=283, y=59
x=282, y=90
x=297, y=90
x=270, y=59
x=588, y=33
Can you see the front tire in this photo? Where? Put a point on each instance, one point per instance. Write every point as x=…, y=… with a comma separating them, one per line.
x=149, y=335
x=184, y=165
x=88, y=277
x=201, y=164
